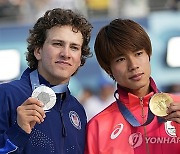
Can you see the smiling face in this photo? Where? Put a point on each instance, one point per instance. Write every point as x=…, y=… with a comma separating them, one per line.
x=132, y=71
x=60, y=55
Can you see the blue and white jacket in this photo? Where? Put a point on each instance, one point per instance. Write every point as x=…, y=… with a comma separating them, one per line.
x=63, y=130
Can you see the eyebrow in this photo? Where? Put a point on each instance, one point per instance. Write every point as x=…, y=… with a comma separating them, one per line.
x=72, y=43
x=76, y=44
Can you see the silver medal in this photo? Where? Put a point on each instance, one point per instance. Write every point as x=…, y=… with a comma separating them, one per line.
x=46, y=95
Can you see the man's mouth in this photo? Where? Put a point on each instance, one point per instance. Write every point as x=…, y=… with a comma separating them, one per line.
x=136, y=77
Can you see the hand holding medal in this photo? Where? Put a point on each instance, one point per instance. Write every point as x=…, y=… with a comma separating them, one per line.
x=161, y=104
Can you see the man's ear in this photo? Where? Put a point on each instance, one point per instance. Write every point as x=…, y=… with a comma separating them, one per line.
x=37, y=53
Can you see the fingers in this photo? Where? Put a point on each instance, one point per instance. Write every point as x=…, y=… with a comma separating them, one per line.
x=30, y=113
x=173, y=107
x=173, y=112
x=37, y=114
x=31, y=100
x=172, y=115
x=175, y=119
x=32, y=107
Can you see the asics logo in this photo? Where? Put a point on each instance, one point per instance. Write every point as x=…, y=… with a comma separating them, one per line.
x=117, y=131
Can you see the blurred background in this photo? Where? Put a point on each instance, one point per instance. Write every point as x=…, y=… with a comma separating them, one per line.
x=160, y=18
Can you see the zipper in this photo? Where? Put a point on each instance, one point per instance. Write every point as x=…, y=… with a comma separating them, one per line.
x=144, y=127
x=64, y=133
x=142, y=108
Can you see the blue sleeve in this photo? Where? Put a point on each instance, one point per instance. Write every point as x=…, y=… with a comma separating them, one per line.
x=8, y=147
x=12, y=137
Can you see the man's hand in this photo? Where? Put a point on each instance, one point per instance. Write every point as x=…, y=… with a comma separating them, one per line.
x=173, y=112
x=30, y=113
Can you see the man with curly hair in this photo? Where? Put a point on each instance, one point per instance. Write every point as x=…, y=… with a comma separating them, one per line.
x=33, y=119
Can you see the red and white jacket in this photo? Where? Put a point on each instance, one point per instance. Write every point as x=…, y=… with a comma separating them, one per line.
x=109, y=133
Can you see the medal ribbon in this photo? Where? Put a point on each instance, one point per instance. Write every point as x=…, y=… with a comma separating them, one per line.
x=130, y=117
x=35, y=83
x=61, y=88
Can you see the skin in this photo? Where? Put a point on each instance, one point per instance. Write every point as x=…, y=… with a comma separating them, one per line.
x=30, y=113
x=58, y=59
x=60, y=55
x=132, y=71
x=173, y=112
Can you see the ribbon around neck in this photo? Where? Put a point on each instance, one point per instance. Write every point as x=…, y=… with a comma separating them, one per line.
x=35, y=83
x=130, y=117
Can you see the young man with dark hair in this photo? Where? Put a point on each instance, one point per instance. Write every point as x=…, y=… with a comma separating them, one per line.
x=141, y=119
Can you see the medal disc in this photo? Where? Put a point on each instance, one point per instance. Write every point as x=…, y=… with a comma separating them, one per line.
x=46, y=95
x=159, y=103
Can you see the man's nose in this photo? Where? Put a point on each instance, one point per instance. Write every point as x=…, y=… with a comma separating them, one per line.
x=132, y=64
x=65, y=52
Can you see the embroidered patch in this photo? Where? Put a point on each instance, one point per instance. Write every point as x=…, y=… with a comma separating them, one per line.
x=75, y=120
x=117, y=131
x=170, y=129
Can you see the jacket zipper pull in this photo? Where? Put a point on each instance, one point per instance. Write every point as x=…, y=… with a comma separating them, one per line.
x=145, y=131
x=64, y=133
x=142, y=108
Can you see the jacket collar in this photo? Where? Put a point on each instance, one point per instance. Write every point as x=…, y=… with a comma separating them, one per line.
x=42, y=80
x=131, y=100
x=26, y=74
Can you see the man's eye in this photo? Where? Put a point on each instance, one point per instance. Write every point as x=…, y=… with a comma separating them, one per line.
x=74, y=48
x=139, y=53
x=57, y=44
x=120, y=59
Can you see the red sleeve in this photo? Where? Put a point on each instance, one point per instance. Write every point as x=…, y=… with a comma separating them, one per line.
x=91, y=138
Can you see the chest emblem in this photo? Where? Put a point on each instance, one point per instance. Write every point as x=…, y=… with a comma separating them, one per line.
x=75, y=120
x=170, y=129
x=135, y=139
x=117, y=131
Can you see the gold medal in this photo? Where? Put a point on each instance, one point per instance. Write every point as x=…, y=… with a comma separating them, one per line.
x=159, y=104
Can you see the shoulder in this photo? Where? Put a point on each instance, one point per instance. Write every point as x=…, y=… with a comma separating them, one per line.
x=72, y=99
x=7, y=87
x=14, y=86
x=105, y=115
x=74, y=103
x=15, y=92
x=8, y=95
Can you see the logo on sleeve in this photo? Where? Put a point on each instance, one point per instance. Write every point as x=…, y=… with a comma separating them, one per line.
x=75, y=120
x=117, y=131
